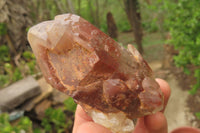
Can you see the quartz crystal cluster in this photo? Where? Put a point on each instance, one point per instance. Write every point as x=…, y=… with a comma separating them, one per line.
x=113, y=85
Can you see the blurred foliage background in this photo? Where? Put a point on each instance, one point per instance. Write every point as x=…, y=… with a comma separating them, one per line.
x=172, y=22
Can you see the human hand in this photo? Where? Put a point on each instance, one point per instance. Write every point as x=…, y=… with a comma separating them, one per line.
x=155, y=123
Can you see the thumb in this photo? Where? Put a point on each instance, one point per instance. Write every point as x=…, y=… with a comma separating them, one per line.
x=156, y=123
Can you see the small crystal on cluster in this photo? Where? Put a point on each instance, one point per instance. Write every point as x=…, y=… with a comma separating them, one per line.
x=114, y=85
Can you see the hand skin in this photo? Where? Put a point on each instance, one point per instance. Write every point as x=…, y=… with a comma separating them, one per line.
x=155, y=123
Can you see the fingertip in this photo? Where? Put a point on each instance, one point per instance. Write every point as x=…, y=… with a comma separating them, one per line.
x=80, y=118
x=165, y=88
x=91, y=127
x=156, y=123
x=80, y=113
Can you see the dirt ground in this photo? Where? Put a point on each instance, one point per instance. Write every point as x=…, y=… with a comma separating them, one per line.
x=181, y=106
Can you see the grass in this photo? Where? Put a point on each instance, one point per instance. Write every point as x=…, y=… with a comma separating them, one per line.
x=153, y=39
x=152, y=44
x=148, y=38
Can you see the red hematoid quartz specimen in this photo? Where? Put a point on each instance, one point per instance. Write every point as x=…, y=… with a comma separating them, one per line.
x=80, y=60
